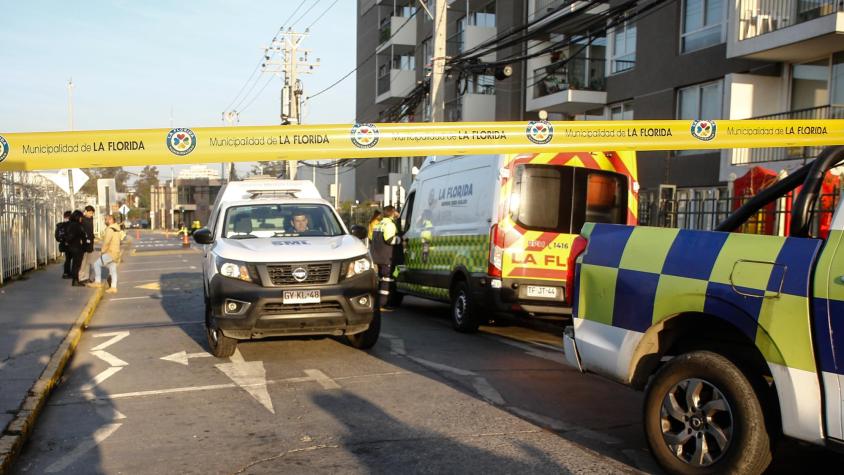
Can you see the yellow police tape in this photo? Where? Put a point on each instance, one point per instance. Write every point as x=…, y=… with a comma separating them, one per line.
x=114, y=148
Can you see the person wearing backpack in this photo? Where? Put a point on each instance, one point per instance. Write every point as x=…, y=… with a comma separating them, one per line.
x=75, y=240
x=60, y=238
x=109, y=256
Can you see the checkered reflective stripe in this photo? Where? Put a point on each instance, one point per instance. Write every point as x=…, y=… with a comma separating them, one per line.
x=446, y=253
x=828, y=304
x=759, y=284
x=435, y=293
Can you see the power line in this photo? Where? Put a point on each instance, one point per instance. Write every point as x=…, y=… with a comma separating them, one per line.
x=306, y=13
x=321, y=15
x=294, y=13
x=256, y=96
x=415, y=11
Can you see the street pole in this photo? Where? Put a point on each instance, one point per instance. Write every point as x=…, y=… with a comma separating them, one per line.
x=336, y=185
x=438, y=62
x=70, y=126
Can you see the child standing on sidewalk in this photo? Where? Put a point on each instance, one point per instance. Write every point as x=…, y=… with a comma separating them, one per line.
x=109, y=256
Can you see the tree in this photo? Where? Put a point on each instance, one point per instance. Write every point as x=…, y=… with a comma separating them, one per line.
x=119, y=174
x=272, y=169
x=147, y=179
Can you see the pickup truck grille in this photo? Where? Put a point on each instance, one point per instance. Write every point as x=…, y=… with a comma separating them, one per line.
x=282, y=274
x=279, y=308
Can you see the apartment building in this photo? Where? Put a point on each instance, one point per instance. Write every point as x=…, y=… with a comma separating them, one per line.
x=395, y=47
x=680, y=59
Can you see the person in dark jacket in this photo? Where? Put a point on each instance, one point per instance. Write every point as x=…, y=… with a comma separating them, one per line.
x=87, y=258
x=75, y=243
x=60, y=238
x=386, y=254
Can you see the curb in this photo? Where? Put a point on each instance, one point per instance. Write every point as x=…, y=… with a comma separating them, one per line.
x=15, y=435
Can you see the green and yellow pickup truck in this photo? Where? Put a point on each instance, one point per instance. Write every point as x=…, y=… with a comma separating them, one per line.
x=735, y=338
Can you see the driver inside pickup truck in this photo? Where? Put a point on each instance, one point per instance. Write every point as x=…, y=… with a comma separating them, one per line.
x=300, y=223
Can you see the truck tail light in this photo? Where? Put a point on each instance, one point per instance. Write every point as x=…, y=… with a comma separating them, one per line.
x=496, y=252
x=577, y=248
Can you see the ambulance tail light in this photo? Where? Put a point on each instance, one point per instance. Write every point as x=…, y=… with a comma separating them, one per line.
x=496, y=252
x=577, y=248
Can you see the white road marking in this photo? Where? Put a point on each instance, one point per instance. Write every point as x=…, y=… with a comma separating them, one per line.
x=98, y=379
x=159, y=269
x=479, y=383
x=251, y=376
x=555, y=356
x=108, y=412
x=150, y=296
x=109, y=358
x=561, y=426
x=486, y=391
x=322, y=379
x=116, y=336
x=183, y=356
x=99, y=436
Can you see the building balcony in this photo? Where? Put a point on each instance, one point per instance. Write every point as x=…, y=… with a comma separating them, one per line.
x=471, y=107
x=557, y=9
x=404, y=36
x=745, y=156
x=785, y=30
x=571, y=88
x=395, y=85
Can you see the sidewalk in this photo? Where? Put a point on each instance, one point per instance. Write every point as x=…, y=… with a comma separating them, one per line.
x=41, y=320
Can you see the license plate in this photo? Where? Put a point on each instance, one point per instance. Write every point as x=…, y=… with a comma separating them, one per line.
x=541, y=292
x=300, y=296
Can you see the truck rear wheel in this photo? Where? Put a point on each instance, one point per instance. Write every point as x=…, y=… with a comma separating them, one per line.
x=702, y=416
x=367, y=339
x=464, y=315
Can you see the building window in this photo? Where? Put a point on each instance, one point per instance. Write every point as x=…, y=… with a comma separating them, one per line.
x=427, y=52
x=405, y=62
x=622, y=46
x=479, y=84
x=484, y=17
x=620, y=111
x=702, y=101
x=702, y=24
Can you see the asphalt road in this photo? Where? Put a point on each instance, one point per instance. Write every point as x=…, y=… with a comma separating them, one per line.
x=142, y=396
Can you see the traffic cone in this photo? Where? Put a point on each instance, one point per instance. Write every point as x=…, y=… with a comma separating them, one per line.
x=185, y=241
x=137, y=234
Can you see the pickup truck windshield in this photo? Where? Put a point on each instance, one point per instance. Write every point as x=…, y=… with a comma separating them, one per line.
x=561, y=198
x=274, y=220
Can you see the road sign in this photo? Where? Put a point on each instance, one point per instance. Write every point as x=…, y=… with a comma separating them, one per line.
x=124, y=210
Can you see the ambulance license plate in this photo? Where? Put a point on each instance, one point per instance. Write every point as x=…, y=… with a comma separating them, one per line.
x=541, y=292
x=300, y=296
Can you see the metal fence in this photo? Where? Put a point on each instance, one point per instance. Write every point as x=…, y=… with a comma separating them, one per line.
x=703, y=213
x=30, y=207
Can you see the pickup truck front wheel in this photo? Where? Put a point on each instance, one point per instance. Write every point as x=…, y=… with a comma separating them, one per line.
x=702, y=416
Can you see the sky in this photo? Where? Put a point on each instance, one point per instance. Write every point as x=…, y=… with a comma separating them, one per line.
x=133, y=62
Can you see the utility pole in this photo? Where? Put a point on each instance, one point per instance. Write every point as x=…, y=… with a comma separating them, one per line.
x=438, y=62
x=230, y=118
x=70, y=189
x=291, y=66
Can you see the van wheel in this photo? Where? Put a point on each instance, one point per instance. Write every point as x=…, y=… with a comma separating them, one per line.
x=463, y=313
x=367, y=339
x=702, y=416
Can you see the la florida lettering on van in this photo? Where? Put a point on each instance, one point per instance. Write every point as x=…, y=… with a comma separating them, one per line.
x=555, y=260
x=649, y=132
x=126, y=145
x=459, y=191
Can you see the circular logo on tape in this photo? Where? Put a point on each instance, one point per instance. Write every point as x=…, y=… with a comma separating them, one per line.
x=364, y=135
x=300, y=274
x=181, y=141
x=703, y=130
x=539, y=131
x=4, y=148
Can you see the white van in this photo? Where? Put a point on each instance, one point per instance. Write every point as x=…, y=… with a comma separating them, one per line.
x=278, y=260
x=493, y=233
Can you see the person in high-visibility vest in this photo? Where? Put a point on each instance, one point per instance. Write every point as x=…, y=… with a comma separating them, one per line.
x=386, y=253
x=195, y=225
x=373, y=222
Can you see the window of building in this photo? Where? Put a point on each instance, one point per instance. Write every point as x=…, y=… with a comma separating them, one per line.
x=622, y=46
x=484, y=17
x=427, y=52
x=480, y=84
x=406, y=62
x=701, y=101
x=837, y=82
x=620, y=111
x=703, y=24
x=810, y=84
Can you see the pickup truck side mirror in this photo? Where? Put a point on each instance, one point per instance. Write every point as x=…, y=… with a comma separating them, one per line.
x=203, y=236
x=359, y=231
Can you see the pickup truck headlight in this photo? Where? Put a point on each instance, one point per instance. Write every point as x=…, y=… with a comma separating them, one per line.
x=234, y=270
x=357, y=266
